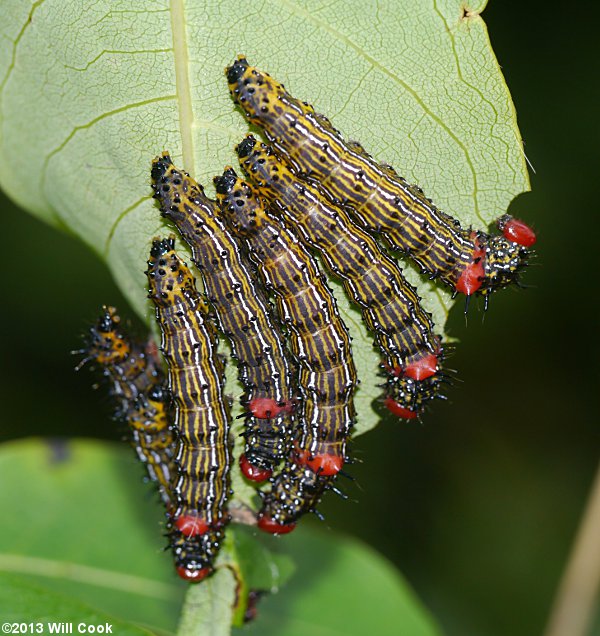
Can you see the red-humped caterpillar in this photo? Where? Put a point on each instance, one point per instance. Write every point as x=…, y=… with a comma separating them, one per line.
x=137, y=384
x=242, y=313
x=196, y=378
x=381, y=201
x=390, y=305
x=319, y=339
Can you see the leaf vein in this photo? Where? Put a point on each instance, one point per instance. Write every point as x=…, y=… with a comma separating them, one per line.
x=402, y=83
x=89, y=125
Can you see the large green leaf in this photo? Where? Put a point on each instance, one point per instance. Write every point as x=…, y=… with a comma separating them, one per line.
x=90, y=93
x=82, y=542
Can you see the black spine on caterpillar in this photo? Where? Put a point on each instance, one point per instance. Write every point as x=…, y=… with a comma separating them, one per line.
x=319, y=339
x=381, y=201
x=242, y=312
x=196, y=378
x=390, y=306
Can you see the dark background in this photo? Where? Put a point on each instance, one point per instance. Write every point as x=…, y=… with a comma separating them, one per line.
x=479, y=506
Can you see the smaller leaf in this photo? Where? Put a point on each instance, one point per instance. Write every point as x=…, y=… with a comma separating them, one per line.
x=24, y=602
x=263, y=568
x=341, y=587
x=208, y=607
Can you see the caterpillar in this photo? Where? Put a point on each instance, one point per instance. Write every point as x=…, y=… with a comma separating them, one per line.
x=242, y=313
x=295, y=491
x=381, y=201
x=137, y=385
x=196, y=378
x=319, y=338
x=390, y=306
x=126, y=363
x=137, y=382
x=154, y=443
x=152, y=438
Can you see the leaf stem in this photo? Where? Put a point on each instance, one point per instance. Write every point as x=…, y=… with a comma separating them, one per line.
x=208, y=606
x=574, y=605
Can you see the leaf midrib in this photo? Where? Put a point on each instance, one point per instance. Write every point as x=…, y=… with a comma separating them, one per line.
x=182, y=83
x=99, y=577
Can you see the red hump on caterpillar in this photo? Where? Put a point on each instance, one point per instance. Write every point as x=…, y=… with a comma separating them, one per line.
x=397, y=409
x=191, y=525
x=325, y=464
x=191, y=575
x=517, y=231
x=267, y=524
x=265, y=408
x=252, y=472
x=378, y=199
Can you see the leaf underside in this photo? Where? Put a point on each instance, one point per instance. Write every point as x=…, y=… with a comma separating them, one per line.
x=89, y=97
x=90, y=93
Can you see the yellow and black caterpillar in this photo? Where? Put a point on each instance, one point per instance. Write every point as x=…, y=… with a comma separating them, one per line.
x=196, y=378
x=137, y=386
x=381, y=200
x=137, y=383
x=319, y=339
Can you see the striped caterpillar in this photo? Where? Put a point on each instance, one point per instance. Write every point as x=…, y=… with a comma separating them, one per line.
x=320, y=340
x=137, y=383
x=242, y=313
x=196, y=378
x=381, y=201
x=390, y=306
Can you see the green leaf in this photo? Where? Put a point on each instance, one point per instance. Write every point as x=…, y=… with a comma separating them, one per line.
x=82, y=523
x=82, y=529
x=24, y=602
x=351, y=591
x=208, y=609
x=90, y=94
